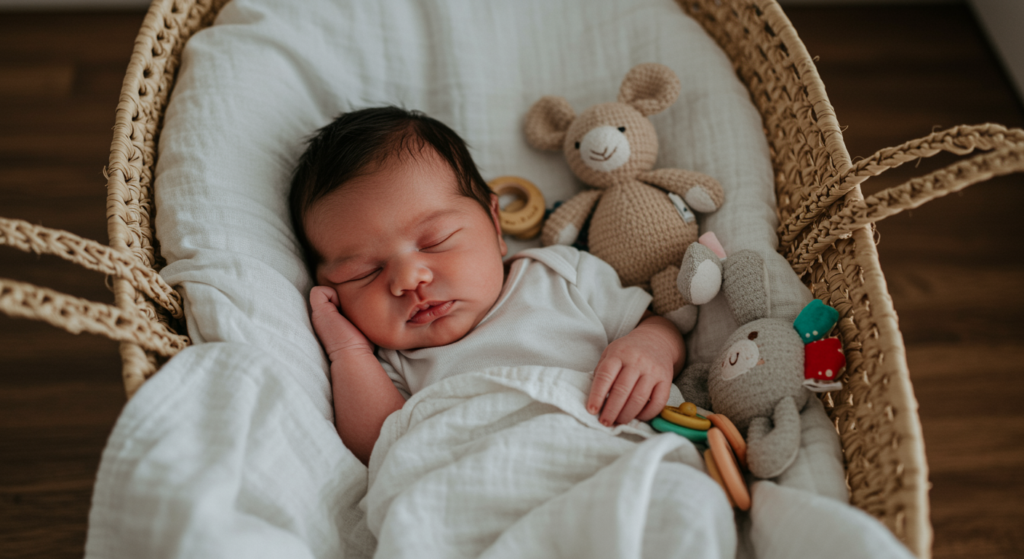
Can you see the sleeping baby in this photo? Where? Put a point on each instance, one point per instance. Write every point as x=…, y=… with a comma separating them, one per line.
x=523, y=376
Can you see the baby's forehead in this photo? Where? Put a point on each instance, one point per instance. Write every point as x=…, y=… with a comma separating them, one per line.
x=417, y=201
x=391, y=191
x=405, y=166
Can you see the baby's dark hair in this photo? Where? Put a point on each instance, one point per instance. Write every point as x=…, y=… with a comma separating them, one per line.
x=357, y=142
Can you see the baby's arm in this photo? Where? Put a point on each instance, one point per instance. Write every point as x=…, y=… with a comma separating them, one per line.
x=364, y=396
x=636, y=371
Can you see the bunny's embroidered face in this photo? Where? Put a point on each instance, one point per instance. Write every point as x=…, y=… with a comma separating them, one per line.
x=604, y=148
x=740, y=357
x=608, y=142
x=762, y=363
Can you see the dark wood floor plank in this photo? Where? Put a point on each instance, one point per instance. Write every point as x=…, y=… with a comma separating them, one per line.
x=987, y=521
x=36, y=81
x=29, y=183
x=75, y=36
x=58, y=116
x=960, y=288
x=44, y=147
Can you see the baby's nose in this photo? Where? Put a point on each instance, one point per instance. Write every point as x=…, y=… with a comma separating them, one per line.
x=408, y=276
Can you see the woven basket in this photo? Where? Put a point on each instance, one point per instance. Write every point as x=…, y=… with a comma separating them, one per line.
x=827, y=234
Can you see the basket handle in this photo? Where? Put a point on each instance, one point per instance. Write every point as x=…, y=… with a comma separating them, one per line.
x=855, y=212
x=960, y=140
x=92, y=255
x=76, y=315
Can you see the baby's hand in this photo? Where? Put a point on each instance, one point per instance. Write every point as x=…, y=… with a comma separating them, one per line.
x=336, y=333
x=635, y=373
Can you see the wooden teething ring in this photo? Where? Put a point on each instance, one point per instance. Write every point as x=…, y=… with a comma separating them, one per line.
x=732, y=435
x=524, y=217
x=709, y=461
x=727, y=469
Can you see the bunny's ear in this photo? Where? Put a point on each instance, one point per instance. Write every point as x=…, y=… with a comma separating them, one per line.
x=745, y=283
x=649, y=88
x=547, y=121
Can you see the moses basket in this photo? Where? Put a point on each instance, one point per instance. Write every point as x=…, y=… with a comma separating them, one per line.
x=826, y=234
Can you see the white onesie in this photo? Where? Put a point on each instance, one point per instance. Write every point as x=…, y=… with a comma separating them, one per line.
x=559, y=307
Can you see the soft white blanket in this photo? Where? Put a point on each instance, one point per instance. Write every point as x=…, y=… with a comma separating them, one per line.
x=222, y=456
x=507, y=463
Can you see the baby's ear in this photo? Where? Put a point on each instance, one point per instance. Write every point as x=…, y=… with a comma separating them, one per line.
x=547, y=121
x=649, y=88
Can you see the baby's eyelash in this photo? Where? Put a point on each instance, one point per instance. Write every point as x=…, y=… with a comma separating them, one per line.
x=432, y=245
x=364, y=276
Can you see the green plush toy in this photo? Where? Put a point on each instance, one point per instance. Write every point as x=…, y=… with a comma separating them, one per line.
x=763, y=381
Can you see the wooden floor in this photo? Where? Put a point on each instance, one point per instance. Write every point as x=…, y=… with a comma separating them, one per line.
x=955, y=267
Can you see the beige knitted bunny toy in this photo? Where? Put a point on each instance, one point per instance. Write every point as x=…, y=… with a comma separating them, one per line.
x=642, y=223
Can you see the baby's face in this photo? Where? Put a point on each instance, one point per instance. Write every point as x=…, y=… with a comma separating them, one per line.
x=415, y=264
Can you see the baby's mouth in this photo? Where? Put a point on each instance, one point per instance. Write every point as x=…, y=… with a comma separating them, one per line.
x=431, y=310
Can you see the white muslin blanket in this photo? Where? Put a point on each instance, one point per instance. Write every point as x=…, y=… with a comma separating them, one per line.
x=222, y=456
x=507, y=463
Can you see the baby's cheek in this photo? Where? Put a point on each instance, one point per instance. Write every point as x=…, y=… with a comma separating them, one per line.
x=368, y=316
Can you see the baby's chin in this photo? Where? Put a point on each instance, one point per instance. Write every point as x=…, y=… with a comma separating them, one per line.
x=443, y=331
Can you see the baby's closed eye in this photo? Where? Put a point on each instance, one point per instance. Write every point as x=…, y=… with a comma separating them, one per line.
x=439, y=242
x=362, y=275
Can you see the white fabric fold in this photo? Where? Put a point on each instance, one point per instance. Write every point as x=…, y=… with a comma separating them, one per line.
x=787, y=523
x=222, y=455
x=507, y=463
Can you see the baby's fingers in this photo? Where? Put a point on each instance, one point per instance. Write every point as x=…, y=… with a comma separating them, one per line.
x=619, y=394
x=321, y=295
x=328, y=321
x=637, y=400
x=657, y=402
x=604, y=375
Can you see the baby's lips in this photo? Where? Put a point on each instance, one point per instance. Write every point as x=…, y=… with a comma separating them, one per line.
x=426, y=312
x=420, y=307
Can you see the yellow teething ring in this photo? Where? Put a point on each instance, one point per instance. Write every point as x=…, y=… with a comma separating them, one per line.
x=524, y=217
x=675, y=415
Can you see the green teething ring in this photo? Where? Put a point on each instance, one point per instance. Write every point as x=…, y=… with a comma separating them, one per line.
x=662, y=426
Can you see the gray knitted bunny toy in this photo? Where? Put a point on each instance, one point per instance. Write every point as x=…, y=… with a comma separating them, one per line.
x=759, y=381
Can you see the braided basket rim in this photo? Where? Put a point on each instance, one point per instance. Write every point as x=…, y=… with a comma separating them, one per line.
x=145, y=90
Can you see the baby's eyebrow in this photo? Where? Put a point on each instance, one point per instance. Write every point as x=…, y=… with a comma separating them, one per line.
x=438, y=214
x=327, y=268
x=334, y=267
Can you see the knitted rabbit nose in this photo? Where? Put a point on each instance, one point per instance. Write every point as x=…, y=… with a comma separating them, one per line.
x=604, y=149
